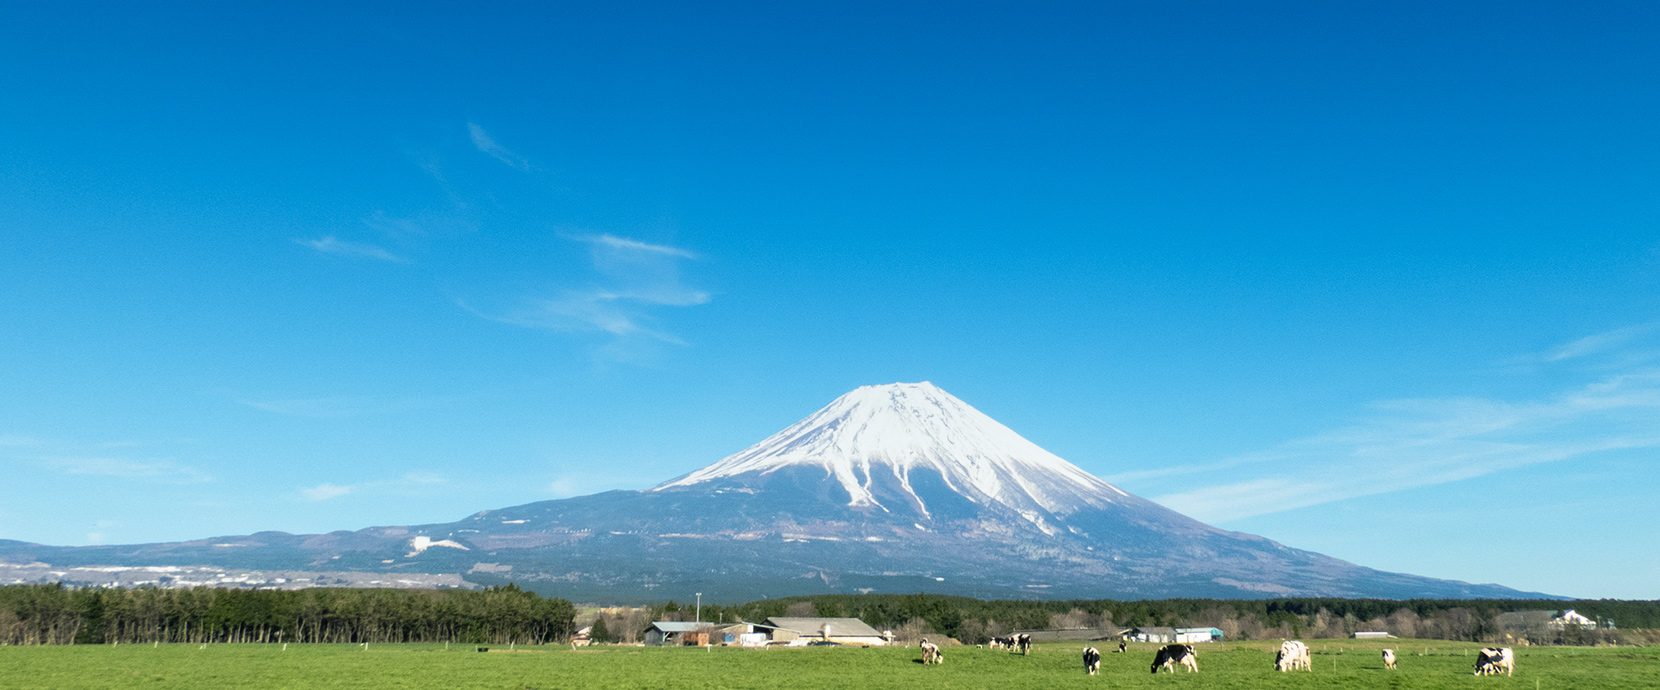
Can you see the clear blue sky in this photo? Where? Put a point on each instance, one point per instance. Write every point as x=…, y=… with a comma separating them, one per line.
x=1373, y=279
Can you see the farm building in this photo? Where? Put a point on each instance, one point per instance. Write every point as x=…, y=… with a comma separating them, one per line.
x=1572, y=617
x=1155, y=633
x=1541, y=620
x=1371, y=635
x=678, y=633
x=1192, y=635
x=838, y=630
x=738, y=634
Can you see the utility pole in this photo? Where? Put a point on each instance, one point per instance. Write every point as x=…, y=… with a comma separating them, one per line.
x=699, y=613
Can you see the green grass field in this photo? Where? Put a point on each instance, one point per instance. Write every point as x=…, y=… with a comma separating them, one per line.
x=1338, y=664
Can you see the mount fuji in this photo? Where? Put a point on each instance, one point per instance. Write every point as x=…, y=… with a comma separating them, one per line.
x=891, y=488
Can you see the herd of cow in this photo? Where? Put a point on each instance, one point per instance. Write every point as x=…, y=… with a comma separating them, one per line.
x=1293, y=656
x=1021, y=643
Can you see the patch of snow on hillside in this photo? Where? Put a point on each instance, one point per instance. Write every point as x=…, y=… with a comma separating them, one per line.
x=421, y=544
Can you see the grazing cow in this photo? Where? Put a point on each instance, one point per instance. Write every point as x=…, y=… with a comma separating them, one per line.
x=1173, y=654
x=1293, y=655
x=1491, y=661
x=1092, y=660
x=931, y=653
x=1123, y=645
x=1023, y=642
x=997, y=643
x=1389, y=658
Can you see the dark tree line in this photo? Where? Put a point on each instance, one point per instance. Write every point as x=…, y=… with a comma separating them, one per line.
x=54, y=614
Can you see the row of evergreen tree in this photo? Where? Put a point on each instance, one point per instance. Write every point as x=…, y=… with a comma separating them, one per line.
x=54, y=614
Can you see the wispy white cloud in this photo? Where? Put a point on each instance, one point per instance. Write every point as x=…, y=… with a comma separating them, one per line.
x=584, y=483
x=408, y=485
x=325, y=491
x=485, y=144
x=97, y=459
x=421, y=225
x=163, y=470
x=1601, y=343
x=332, y=245
x=340, y=406
x=635, y=279
x=424, y=478
x=625, y=244
x=1407, y=444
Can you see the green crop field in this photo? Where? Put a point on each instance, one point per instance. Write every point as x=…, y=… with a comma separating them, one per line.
x=1338, y=664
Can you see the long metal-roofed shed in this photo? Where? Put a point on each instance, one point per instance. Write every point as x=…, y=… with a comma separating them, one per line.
x=678, y=633
x=1153, y=633
x=1191, y=635
x=838, y=630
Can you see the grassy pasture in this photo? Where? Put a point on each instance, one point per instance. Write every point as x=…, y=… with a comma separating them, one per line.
x=1338, y=664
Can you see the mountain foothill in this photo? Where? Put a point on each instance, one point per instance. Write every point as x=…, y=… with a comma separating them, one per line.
x=889, y=488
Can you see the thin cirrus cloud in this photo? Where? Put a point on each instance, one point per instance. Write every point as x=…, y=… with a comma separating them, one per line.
x=166, y=471
x=1600, y=343
x=487, y=145
x=636, y=280
x=628, y=245
x=585, y=483
x=408, y=484
x=1406, y=444
x=341, y=406
x=97, y=459
x=324, y=491
x=361, y=250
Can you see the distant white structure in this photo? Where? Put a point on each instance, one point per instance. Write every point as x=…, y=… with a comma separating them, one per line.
x=1571, y=617
x=1192, y=635
x=1542, y=621
x=1152, y=633
x=1371, y=635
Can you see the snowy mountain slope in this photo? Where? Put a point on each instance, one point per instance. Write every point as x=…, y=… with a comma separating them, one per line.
x=893, y=488
x=885, y=434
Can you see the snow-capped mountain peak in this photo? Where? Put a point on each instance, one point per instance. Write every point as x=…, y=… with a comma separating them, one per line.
x=889, y=434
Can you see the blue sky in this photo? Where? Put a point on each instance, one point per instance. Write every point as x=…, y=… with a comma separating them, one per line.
x=1373, y=279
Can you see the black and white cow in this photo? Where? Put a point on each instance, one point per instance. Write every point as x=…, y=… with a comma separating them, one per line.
x=1092, y=660
x=1389, y=658
x=931, y=653
x=1123, y=645
x=1491, y=661
x=1293, y=655
x=1023, y=643
x=1172, y=654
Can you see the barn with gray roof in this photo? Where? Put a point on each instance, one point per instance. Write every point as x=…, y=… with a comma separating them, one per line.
x=838, y=630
